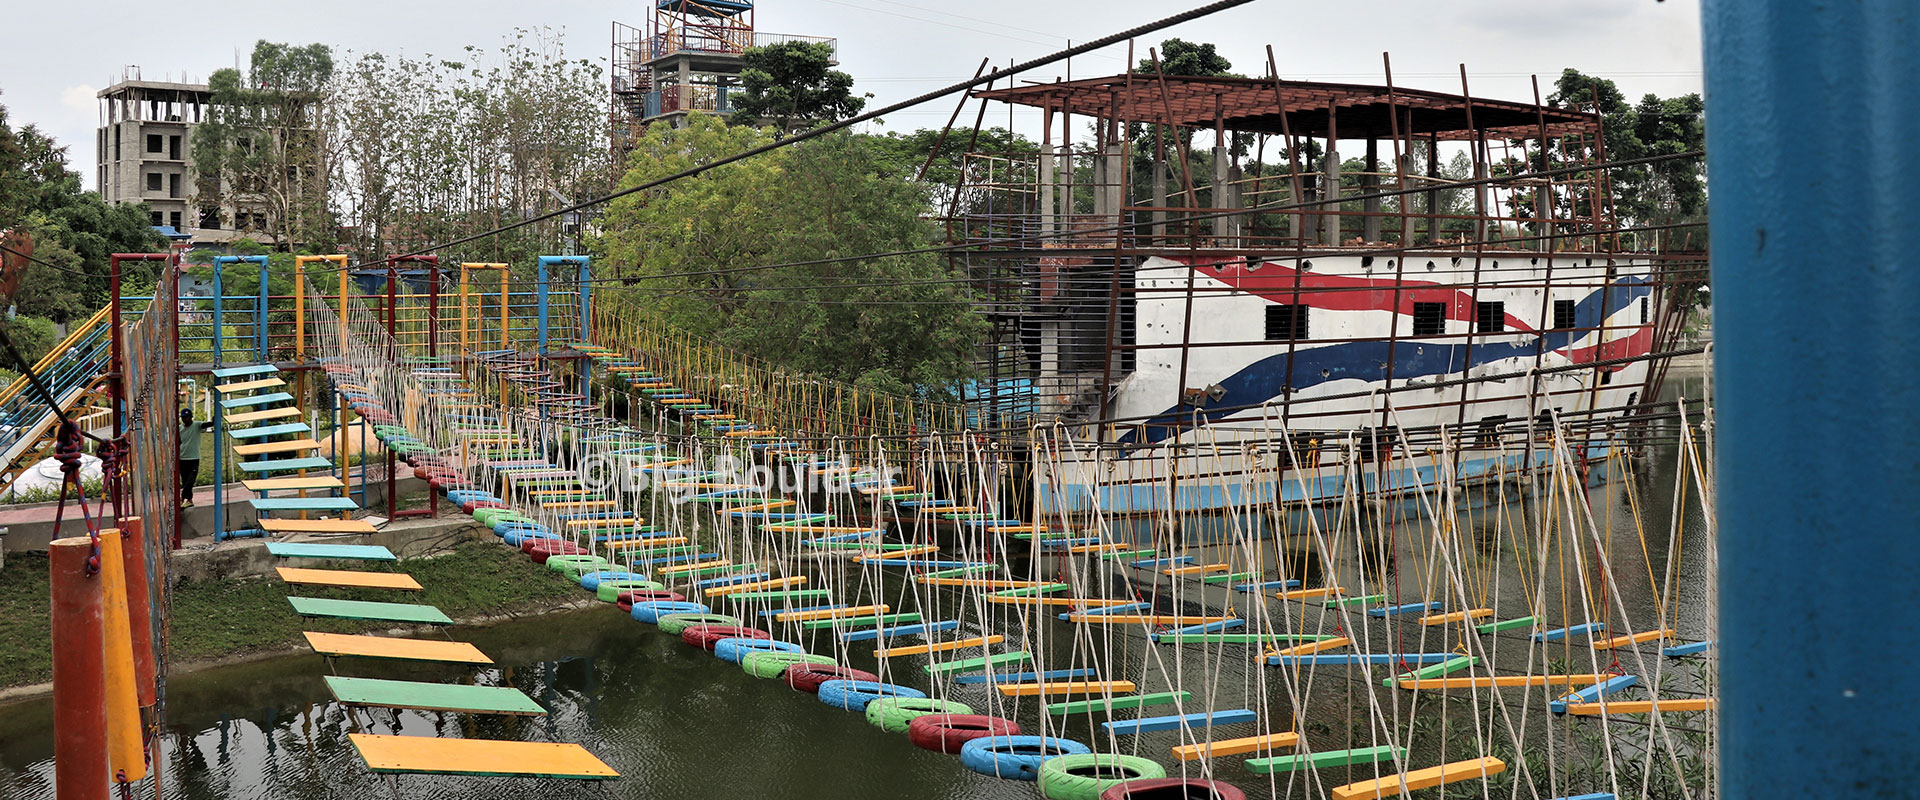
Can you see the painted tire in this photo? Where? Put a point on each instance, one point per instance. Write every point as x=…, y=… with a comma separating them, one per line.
x=706, y=636
x=855, y=695
x=894, y=714
x=609, y=591
x=769, y=664
x=628, y=599
x=591, y=581
x=579, y=565
x=1016, y=757
x=520, y=538
x=733, y=650
x=808, y=677
x=1172, y=789
x=1085, y=776
x=947, y=733
x=677, y=624
x=548, y=548
x=651, y=612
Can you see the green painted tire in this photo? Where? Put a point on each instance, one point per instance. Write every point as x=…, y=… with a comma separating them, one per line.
x=773, y=664
x=673, y=624
x=894, y=714
x=577, y=565
x=609, y=591
x=1084, y=776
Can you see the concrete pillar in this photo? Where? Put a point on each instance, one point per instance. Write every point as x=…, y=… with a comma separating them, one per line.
x=1045, y=202
x=1116, y=188
x=1160, y=177
x=1222, y=226
x=1330, y=189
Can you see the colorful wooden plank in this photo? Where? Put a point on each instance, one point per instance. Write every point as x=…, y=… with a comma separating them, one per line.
x=426, y=696
x=390, y=647
x=1264, y=743
x=316, y=483
x=435, y=756
x=316, y=526
x=349, y=578
x=1322, y=760
x=1204, y=719
x=1500, y=681
x=303, y=504
x=1640, y=706
x=1111, y=704
x=1428, y=777
x=938, y=647
x=1635, y=638
x=362, y=609
x=354, y=552
x=1447, y=667
x=1066, y=687
x=980, y=663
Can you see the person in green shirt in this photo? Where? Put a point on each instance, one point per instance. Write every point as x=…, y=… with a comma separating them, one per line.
x=190, y=432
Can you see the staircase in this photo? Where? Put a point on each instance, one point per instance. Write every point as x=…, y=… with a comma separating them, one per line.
x=75, y=373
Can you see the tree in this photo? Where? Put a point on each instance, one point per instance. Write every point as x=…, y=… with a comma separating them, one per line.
x=1650, y=194
x=1181, y=57
x=907, y=153
x=895, y=323
x=792, y=84
x=262, y=147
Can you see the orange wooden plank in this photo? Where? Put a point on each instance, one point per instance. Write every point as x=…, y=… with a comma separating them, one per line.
x=341, y=644
x=1108, y=547
x=1066, y=687
x=1634, y=638
x=349, y=578
x=256, y=416
x=622, y=544
x=771, y=583
x=1234, y=747
x=1315, y=647
x=679, y=568
x=832, y=613
x=435, y=756
x=249, y=386
x=981, y=583
x=1194, y=569
x=1303, y=594
x=909, y=552
x=1456, y=616
x=1500, y=681
x=1640, y=706
x=939, y=647
x=1394, y=785
x=767, y=506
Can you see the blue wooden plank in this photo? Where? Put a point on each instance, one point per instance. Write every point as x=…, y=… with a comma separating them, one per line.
x=1688, y=649
x=1178, y=721
x=1156, y=563
x=1351, y=659
x=729, y=580
x=1125, y=609
x=1557, y=635
x=914, y=562
x=1593, y=693
x=284, y=464
x=1593, y=796
x=899, y=630
x=303, y=504
x=1211, y=627
x=1410, y=608
x=250, y=369
x=269, y=430
x=256, y=400
x=1029, y=677
x=846, y=537
x=356, y=552
x=1261, y=587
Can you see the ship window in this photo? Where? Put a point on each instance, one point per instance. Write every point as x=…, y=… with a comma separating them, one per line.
x=1563, y=314
x=1429, y=319
x=1490, y=316
x=1286, y=322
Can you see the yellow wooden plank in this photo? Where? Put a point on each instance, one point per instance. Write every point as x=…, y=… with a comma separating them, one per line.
x=679, y=568
x=767, y=506
x=436, y=756
x=622, y=544
x=341, y=644
x=1315, y=647
x=621, y=522
x=264, y=414
x=1066, y=687
x=832, y=613
x=1195, y=569
x=1500, y=681
x=287, y=484
x=939, y=647
x=925, y=549
x=771, y=583
x=815, y=528
x=1234, y=747
x=1456, y=616
x=873, y=490
x=1639, y=706
x=578, y=505
x=275, y=525
x=1105, y=547
x=349, y=578
x=249, y=386
x=1394, y=785
x=264, y=448
x=1017, y=529
x=1303, y=594
x=1634, y=638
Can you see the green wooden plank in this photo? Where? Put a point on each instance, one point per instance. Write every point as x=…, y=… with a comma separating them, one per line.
x=1118, y=703
x=1332, y=758
x=1125, y=554
x=1358, y=601
x=1239, y=638
x=1048, y=535
x=1506, y=624
x=1231, y=576
x=971, y=664
x=956, y=572
x=433, y=696
x=1028, y=591
x=779, y=594
x=1433, y=671
x=861, y=622
x=364, y=609
x=354, y=552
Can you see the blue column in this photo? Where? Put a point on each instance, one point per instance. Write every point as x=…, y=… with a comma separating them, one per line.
x=1812, y=106
x=260, y=314
x=540, y=299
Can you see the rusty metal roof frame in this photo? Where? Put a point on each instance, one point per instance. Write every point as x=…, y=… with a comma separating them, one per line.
x=1253, y=105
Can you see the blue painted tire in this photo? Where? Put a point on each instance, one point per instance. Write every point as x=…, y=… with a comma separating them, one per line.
x=1016, y=757
x=732, y=650
x=510, y=527
x=517, y=538
x=591, y=581
x=855, y=695
x=652, y=612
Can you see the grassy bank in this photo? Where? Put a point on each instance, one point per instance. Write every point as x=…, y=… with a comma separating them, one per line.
x=231, y=618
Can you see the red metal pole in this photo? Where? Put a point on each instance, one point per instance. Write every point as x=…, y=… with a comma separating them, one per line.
x=79, y=674
x=139, y=610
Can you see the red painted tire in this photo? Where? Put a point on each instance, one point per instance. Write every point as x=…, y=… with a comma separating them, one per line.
x=527, y=546
x=808, y=677
x=627, y=599
x=947, y=733
x=706, y=636
x=547, y=548
x=1172, y=789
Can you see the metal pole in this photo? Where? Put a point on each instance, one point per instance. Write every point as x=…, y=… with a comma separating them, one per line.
x=1814, y=275
x=540, y=298
x=79, y=676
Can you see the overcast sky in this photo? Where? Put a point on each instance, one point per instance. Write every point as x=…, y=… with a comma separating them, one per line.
x=894, y=48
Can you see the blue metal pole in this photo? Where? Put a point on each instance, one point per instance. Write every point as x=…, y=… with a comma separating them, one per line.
x=540, y=297
x=1811, y=108
x=260, y=314
x=219, y=305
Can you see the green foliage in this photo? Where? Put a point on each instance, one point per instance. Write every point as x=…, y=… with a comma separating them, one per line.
x=907, y=153
x=1181, y=57
x=260, y=147
x=891, y=323
x=34, y=336
x=1670, y=191
x=791, y=84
